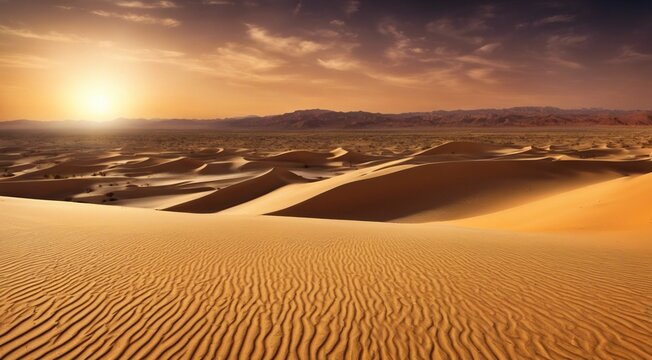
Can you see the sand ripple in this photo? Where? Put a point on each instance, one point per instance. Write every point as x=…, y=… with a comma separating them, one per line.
x=104, y=283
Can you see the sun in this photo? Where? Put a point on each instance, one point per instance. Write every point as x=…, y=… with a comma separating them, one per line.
x=98, y=104
x=95, y=96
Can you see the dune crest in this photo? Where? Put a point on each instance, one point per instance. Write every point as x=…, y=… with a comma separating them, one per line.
x=461, y=148
x=352, y=157
x=179, y=165
x=300, y=157
x=449, y=190
x=240, y=192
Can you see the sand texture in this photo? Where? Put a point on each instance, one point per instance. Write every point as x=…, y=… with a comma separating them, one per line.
x=462, y=248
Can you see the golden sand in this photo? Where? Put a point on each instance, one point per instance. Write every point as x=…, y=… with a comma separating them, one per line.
x=465, y=250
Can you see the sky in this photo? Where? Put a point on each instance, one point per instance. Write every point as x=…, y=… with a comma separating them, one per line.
x=101, y=59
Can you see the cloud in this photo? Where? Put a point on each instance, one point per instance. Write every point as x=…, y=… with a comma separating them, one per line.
x=565, y=63
x=482, y=74
x=629, y=55
x=461, y=30
x=339, y=64
x=25, y=61
x=554, y=19
x=468, y=29
x=444, y=77
x=245, y=59
x=297, y=9
x=566, y=40
x=558, y=48
x=440, y=64
x=232, y=61
x=488, y=48
x=218, y=2
x=147, y=5
x=146, y=54
x=141, y=19
x=351, y=7
x=50, y=36
x=289, y=45
x=479, y=60
x=403, y=47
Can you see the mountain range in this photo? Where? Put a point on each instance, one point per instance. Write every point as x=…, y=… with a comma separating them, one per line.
x=316, y=119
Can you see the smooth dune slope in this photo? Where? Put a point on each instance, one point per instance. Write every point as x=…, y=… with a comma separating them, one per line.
x=50, y=189
x=300, y=157
x=463, y=148
x=623, y=204
x=240, y=192
x=180, y=165
x=452, y=190
x=88, y=281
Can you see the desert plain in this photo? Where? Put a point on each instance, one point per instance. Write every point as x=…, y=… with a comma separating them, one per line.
x=450, y=244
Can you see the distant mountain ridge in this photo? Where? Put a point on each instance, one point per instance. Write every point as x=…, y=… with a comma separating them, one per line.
x=316, y=119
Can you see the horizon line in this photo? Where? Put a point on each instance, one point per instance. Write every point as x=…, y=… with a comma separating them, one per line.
x=328, y=110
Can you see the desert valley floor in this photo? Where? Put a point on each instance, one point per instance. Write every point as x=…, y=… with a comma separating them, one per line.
x=452, y=244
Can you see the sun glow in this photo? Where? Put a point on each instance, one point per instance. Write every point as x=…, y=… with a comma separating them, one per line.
x=98, y=104
x=96, y=96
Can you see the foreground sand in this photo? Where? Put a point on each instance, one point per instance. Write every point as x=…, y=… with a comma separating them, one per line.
x=88, y=281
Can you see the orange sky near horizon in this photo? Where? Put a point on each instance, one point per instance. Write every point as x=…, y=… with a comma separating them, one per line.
x=103, y=59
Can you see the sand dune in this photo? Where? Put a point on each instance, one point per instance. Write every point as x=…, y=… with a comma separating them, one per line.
x=65, y=169
x=17, y=167
x=353, y=157
x=462, y=148
x=136, y=192
x=454, y=180
x=63, y=189
x=240, y=192
x=142, y=163
x=449, y=190
x=216, y=168
x=622, y=204
x=293, y=194
x=179, y=165
x=113, y=158
x=597, y=153
x=299, y=157
x=77, y=285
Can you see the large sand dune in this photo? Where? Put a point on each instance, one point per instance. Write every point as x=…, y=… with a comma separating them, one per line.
x=537, y=248
x=449, y=190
